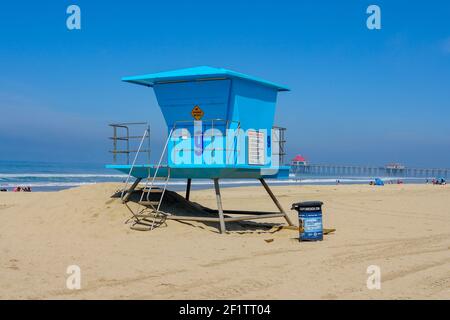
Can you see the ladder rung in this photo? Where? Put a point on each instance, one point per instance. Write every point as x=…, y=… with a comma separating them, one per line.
x=149, y=203
x=152, y=190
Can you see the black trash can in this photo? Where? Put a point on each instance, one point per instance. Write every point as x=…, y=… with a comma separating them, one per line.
x=309, y=220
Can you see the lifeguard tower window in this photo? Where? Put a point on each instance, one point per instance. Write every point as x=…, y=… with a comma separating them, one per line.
x=256, y=147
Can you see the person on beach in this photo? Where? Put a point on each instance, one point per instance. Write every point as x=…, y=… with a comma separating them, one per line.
x=22, y=189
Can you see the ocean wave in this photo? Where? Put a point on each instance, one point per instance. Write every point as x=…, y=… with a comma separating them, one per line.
x=157, y=183
x=59, y=175
x=74, y=180
x=43, y=184
x=46, y=184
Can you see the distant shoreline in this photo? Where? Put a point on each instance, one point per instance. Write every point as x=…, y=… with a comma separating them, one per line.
x=41, y=176
x=178, y=185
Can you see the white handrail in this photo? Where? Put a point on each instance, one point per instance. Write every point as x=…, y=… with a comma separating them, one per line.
x=158, y=166
x=134, y=162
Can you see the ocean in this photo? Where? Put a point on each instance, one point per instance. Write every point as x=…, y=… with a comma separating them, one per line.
x=53, y=176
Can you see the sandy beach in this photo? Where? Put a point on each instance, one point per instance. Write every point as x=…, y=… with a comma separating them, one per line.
x=403, y=229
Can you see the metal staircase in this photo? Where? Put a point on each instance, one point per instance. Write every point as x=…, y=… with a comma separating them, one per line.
x=148, y=214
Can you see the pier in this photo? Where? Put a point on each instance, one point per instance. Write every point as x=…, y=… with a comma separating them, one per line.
x=368, y=171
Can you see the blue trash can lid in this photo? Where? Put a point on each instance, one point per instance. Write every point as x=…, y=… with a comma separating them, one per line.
x=306, y=204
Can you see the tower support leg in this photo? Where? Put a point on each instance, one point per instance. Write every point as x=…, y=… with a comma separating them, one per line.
x=275, y=200
x=219, y=205
x=188, y=188
x=128, y=192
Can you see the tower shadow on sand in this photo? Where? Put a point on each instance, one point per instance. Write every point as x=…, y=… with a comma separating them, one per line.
x=176, y=205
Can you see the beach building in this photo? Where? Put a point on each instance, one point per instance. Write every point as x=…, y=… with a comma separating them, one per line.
x=219, y=126
x=298, y=160
x=298, y=165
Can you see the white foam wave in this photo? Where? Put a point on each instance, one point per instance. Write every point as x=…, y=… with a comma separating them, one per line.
x=224, y=182
x=45, y=184
x=59, y=175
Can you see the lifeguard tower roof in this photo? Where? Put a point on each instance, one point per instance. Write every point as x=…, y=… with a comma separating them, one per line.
x=197, y=73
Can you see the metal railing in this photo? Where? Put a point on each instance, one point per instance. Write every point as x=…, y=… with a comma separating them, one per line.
x=123, y=137
x=122, y=140
x=144, y=136
x=279, y=136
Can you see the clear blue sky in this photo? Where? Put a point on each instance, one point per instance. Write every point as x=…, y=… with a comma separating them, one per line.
x=358, y=96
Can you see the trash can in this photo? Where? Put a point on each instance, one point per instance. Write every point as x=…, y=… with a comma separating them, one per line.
x=309, y=220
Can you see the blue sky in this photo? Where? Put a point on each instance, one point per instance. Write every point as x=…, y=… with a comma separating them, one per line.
x=358, y=96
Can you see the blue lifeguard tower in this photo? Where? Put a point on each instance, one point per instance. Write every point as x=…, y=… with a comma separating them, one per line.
x=220, y=126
